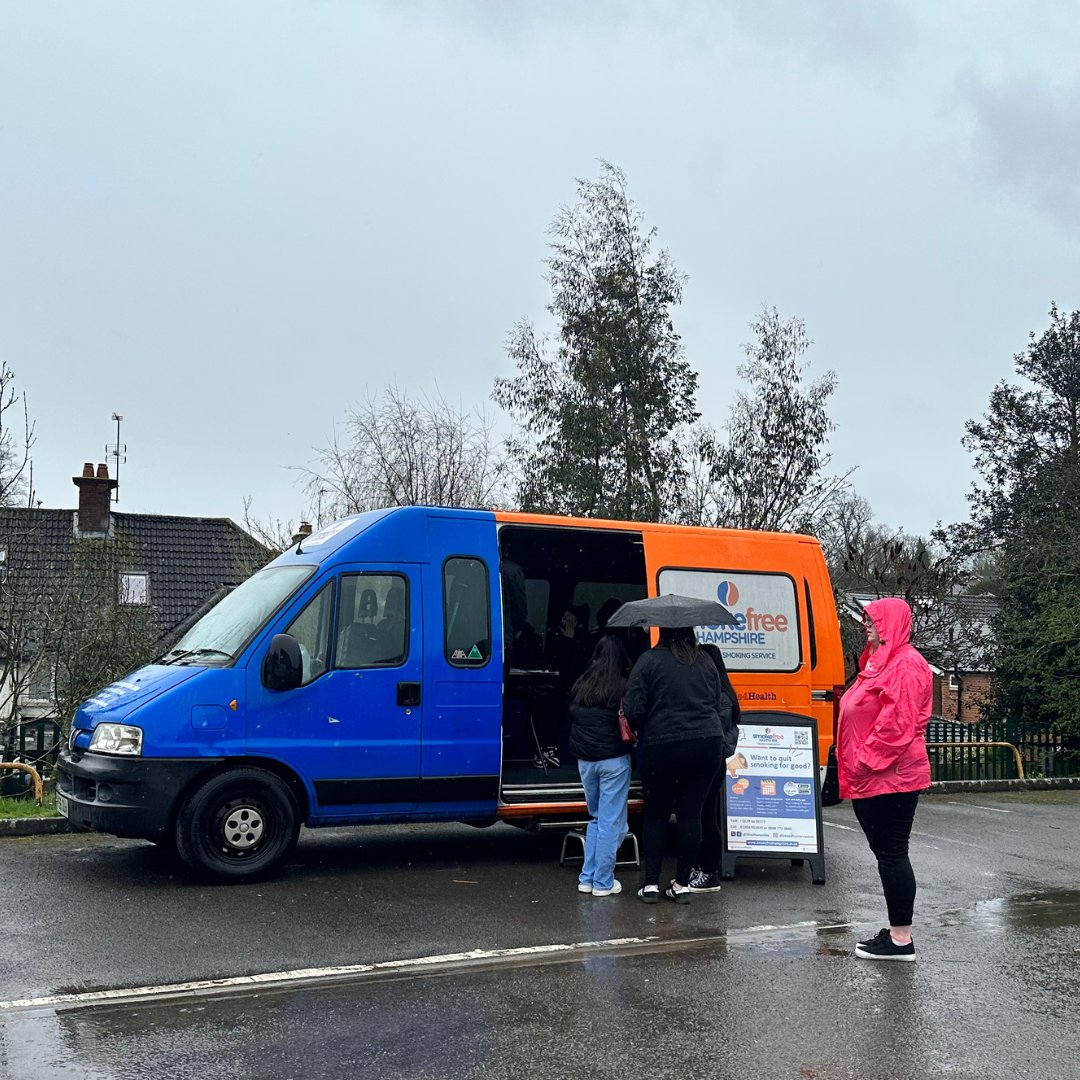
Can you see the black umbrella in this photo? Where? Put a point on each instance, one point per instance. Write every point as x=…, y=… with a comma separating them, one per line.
x=672, y=611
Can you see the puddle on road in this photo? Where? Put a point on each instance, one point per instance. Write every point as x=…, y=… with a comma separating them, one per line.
x=1045, y=909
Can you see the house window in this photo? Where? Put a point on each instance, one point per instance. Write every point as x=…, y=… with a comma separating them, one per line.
x=134, y=589
x=954, y=683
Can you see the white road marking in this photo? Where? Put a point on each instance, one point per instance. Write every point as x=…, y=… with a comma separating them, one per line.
x=950, y=840
x=975, y=806
x=419, y=964
x=270, y=978
x=835, y=825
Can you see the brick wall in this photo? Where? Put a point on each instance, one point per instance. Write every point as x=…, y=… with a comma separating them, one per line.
x=973, y=690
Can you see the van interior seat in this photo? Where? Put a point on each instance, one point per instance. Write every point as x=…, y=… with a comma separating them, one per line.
x=369, y=606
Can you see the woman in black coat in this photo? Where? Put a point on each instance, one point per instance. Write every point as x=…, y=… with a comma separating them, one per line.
x=675, y=702
x=705, y=877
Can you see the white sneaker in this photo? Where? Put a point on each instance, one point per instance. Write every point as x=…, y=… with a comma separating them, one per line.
x=584, y=886
x=615, y=889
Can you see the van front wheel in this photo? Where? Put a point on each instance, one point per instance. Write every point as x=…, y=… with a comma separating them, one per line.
x=238, y=826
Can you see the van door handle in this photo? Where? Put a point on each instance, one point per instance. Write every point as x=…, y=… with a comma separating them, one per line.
x=408, y=693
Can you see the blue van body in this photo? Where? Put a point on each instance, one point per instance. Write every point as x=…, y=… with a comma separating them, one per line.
x=416, y=739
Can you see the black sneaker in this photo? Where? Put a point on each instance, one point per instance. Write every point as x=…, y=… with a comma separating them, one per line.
x=677, y=895
x=877, y=939
x=884, y=948
x=649, y=893
x=702, y=882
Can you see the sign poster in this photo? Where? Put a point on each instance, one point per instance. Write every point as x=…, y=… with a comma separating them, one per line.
x=764, y=635
x=771, y=791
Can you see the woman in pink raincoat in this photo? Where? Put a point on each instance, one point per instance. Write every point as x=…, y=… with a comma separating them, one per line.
x=881, y=753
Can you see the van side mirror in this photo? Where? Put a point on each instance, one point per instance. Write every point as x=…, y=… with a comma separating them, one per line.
x=282, y=666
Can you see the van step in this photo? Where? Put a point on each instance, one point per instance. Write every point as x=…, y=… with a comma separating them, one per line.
x=528, y=793
x=524, y=793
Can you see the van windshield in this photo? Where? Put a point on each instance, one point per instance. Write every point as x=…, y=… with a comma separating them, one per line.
x=220, y=635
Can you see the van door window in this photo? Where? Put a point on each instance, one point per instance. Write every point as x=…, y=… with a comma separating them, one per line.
x=373, y=624
x=466, y=612
x=311, y=628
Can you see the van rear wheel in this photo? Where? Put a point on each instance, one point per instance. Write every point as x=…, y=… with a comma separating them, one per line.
x=238, y=826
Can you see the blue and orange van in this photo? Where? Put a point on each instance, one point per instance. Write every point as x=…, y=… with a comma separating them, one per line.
x=407, y=665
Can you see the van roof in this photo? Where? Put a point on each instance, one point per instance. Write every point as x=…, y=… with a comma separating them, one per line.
x=513, y=517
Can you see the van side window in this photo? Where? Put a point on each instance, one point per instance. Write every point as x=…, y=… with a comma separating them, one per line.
x=373, y=621
x=466, y=612
x=763, y=633
x=311, y=628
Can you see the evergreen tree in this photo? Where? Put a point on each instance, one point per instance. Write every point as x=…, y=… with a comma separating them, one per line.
x=603, y=412
x=768, y=472
x=1027, y=507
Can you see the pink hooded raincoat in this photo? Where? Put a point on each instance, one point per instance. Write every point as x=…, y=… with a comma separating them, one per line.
x=881, y=742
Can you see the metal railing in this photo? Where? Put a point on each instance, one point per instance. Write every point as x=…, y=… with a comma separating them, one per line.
x=35, y=776
x=978, y=747
x=1000, y=751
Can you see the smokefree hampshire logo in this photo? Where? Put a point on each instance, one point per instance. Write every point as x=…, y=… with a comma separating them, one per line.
x=727, y=592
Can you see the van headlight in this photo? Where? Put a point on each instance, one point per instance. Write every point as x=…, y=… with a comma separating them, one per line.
x=116, y=739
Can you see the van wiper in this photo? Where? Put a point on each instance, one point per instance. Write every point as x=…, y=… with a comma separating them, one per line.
x=173, y=655
x=207, y=652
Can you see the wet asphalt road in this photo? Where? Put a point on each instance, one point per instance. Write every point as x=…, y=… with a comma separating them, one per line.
x=756, y=980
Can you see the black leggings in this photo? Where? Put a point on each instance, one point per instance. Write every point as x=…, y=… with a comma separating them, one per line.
x=712, y=826
x=676, y=776
x=887, y=820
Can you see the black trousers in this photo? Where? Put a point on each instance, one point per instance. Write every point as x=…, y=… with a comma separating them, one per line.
x=712, y=826
x=676, y=777
x=886, y=820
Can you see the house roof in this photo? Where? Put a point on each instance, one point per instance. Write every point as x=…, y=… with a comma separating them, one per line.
x=954, y=629
x=187, y=561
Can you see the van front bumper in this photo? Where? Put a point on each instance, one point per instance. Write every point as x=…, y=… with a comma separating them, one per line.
x=127, y=796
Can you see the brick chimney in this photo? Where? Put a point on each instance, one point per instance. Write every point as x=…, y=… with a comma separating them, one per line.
x=95, y=495
x=304, y=530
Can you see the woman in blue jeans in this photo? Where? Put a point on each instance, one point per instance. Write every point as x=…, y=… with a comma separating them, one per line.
x=603, y=761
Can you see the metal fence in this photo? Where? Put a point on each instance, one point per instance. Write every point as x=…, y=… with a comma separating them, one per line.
x=970, y=755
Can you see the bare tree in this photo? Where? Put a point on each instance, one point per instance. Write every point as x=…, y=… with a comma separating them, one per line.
x=869, y=558
x=91, y=633
x=67, y=628
x=24, y=587
x=16, y=441
x=403, y=451
x=274, y=534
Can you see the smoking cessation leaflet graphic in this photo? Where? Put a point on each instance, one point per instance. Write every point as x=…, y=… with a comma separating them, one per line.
x=770, y=790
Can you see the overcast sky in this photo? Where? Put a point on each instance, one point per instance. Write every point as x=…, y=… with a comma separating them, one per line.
x=229, y=221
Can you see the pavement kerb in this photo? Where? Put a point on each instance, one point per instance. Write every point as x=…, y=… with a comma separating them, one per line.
x=52, y=826
x=1036, y=783
x=35, y=826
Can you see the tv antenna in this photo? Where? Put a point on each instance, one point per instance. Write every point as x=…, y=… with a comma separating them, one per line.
x=118, y=452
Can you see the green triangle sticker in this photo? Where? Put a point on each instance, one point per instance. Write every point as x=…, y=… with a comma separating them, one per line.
x=475, y=654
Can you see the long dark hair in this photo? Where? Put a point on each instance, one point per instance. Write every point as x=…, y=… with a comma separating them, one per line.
x=682, y=641
x=603, y=682
x=717, y=658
